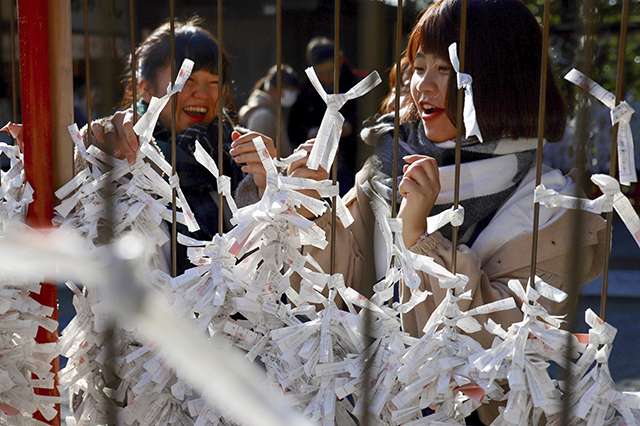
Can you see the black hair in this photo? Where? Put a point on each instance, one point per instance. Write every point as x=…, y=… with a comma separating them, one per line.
x=288, y=76
x=504, y=43
x=320, y=50
x=192, y=41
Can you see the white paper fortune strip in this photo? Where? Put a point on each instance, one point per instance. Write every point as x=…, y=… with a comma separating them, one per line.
x=144, y=127
x=464, y=82
x=620, y=114
x=20, y=314
x=612, y=198
x=326, y=143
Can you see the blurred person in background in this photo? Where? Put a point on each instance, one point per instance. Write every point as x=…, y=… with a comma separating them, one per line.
x=260, y=112
x=307, y=112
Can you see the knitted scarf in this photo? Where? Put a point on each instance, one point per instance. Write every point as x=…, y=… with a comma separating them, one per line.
x=490, y=172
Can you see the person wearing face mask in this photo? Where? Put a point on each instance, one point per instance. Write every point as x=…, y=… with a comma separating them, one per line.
x=260, y=112
x=307, y=112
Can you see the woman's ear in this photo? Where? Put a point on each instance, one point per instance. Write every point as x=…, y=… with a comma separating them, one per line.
x=144, y=91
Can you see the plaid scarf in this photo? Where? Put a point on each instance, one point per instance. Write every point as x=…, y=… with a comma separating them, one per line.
x=490, y=171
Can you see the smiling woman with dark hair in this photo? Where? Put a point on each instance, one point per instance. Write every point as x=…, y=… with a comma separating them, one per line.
x=506, y=79
x=196, y=119
x=497, y=176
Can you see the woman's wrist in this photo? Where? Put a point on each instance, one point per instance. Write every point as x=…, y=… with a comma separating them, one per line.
x=412, y=236
x=421, y=239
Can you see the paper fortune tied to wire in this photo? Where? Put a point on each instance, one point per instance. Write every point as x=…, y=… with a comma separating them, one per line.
x=621, y=115
x=464, y=82
x=326, y=144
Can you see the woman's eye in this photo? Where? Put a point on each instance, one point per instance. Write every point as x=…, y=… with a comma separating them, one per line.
x=444, y=69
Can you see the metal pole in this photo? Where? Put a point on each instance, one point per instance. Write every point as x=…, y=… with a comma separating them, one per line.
x=541, y=125
x=278, y=78
x=336, y=89
x=134, y=61
x=613, y=163
x=87, y=71
x=459, y=121
x=221, y=99
x=396, y=122
x=174, y=168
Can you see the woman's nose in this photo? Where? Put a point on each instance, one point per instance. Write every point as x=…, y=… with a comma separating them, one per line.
x=427, y=83
x=202, y=91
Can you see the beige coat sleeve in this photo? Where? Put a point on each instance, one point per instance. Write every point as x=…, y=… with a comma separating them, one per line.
x=488, y=282
x=354, y=245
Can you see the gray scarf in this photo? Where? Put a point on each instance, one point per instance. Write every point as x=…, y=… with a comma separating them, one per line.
x=490, y=173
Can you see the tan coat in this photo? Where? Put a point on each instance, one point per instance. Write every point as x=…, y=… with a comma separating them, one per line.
x=488, y=282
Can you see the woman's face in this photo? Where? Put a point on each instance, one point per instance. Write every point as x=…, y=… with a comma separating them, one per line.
x=197, y=102
x=429, y=85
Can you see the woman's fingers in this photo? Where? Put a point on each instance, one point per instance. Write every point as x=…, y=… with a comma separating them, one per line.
x=419, y=188
x=423, y=171
x=117, y=135
x=124, y=139
x=96, y=130
x=127, y=130
x=244, y=152
x=243, y=144
x=299, y=168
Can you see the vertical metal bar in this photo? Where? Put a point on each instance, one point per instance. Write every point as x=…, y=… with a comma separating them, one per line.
x=613, y=163
x=33, y=31
x=336, y=89
x=221, y=100
x=576, y=234
x=87, y=71
x=278, y=78
x=396, y=119
x=396, y=122
x=134, y=61
x=459, y=126
x=174, y=167
x=541, y=125
x=14, y=85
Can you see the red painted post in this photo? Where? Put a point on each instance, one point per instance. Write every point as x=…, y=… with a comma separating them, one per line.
x=35, y=91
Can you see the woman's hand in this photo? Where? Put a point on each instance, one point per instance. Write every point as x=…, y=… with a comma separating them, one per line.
x=419, y=188
x=244, y=152
x=117, y=135
x=299, y=169
x=15, y=130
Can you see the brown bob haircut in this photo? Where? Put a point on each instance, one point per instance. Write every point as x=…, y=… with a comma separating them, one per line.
x=504, y=42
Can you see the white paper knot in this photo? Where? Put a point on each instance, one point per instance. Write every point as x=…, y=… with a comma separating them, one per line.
x=326, y=144
x=612, y=193
x=612, y=198
x=455, y=216
x=620, y=114
x=464, y=82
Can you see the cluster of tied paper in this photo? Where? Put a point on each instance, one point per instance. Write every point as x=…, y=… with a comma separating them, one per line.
x=335, y=355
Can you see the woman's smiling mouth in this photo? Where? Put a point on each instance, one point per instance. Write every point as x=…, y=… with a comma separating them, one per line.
x=429, y=112
x=196, y=112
